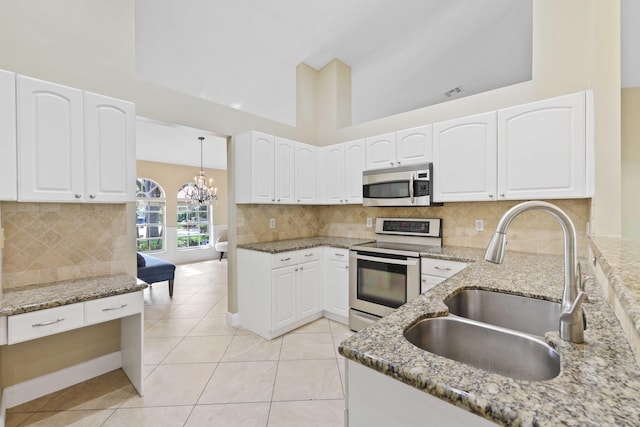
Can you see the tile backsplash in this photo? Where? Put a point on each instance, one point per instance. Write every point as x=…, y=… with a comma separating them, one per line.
x=50, y=242
x=532, y=231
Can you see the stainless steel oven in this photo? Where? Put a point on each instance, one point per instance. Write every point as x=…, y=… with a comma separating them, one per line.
x=385, y=274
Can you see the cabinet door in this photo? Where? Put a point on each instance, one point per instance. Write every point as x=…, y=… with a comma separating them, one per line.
x=541, y=149
x=284, y=170
x=51, y=140
x=110, y=151
x=464, y=164
x=381, y=151
x=262, y=164
x=8, y=159
x=283, y=297
x=354, y=158
x=337, y=288
x=334, y=174
x=306, y=177
x=310, y=288
x=414, y=145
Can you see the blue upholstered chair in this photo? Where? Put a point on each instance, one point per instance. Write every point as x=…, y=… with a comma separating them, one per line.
x=152, y=270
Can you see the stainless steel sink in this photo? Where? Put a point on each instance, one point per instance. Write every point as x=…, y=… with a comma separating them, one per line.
x=529, y=315
x=507, y=353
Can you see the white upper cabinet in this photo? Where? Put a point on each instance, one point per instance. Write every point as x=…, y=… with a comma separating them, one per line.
x=542, y=149
x=110, y=150
x=8, y=159
x=344, y=164
x=254, y=168
x=414, y=145
x=73, y=146
x=464, y=164
x=307, y=173
x=405, y=147
x=51, y=142
x=381, y=151
x=284, y=172
x=354, y=158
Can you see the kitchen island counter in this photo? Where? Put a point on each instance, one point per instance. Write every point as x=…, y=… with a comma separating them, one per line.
x=599, y=382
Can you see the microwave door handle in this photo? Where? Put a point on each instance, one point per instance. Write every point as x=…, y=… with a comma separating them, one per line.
x=411, y=189
x=388, y=260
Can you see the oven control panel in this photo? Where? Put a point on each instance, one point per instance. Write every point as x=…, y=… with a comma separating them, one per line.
x=410, y=226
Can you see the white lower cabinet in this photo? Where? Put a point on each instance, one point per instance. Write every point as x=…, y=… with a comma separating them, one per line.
x=292, y=296
x=376, y=400
x=336, y=284
x=434, y=271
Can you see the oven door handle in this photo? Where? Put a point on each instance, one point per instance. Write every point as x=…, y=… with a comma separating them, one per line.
x=388, y=260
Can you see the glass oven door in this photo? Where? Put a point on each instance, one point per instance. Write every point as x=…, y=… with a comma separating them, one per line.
x=382, y=283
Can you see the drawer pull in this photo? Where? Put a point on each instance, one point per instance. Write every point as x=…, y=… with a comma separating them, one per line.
x=285, y=259
x=308, y=255
x=114, y=308
x=337, y=254
x=442, y=268
x=37, y=325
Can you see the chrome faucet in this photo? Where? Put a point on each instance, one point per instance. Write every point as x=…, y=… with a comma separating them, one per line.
x=571, y=320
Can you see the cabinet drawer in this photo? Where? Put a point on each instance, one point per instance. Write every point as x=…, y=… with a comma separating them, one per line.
x=283, y=259
x=306, y=255
x=36, y=324
x=441, y=267
x=115, y=307
x=336, y=254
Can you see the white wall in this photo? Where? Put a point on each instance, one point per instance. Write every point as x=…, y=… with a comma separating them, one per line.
x=630, y=35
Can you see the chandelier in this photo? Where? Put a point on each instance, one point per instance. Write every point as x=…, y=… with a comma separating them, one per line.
x=199, y=192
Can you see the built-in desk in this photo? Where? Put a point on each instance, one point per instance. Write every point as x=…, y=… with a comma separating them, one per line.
x=41, y=310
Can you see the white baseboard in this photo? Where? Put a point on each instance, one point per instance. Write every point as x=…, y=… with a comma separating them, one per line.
x=233, y=319
x=26, y=391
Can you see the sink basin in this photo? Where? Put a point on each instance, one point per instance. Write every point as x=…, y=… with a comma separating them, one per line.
x=528, y=315
x=486, y=347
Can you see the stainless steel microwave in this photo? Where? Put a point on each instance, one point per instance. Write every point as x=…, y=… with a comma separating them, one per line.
x=410, y=185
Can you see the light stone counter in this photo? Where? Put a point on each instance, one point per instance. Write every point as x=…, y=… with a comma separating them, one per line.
x=39, y=297
x=305, y=243
x=599, y=382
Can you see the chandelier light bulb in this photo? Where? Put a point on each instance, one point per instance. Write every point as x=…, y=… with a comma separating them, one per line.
x=198, y=191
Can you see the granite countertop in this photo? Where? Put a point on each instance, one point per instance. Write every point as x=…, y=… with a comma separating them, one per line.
x=599, y=382
x=40, y=297
x=304, y=243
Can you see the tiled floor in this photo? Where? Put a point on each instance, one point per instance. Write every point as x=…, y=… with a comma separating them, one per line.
x=200, y=372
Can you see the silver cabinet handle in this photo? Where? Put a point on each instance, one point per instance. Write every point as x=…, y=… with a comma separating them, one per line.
x=391, y=163
x=285, y=259
x=296, y=269
x=308, y=255
x=491, y=196
x=501, y=194
x=301, y=268
x=37, y=325
x=442, y=268
x=92, y=196
x=114, y=308
x=388, y=260
x=337, y=254
x=78, y=196
x=346, y=266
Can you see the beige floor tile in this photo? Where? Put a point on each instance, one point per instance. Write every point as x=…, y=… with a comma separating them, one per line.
x=156, y=349
x=156, y=312
x=206, y=298
x=15, y=419
x=315, y=413
x=307, y=346
x=189, y=311
x=149, y=323
x=171, y=328
x=168, y=416
x=147, y=369
x=199, y=349
x=240, y=382
x=68, y=418
x=212, y=326
x=220, y=309
x=337, y=327
x=342, y=370
x=230, y=415
x=34, y=405
x=307, y=379
x=107, y=391
x=245, y=348
x=173, y=385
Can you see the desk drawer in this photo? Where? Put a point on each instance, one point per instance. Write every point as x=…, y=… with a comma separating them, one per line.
x=115, y=307
x=37, y=324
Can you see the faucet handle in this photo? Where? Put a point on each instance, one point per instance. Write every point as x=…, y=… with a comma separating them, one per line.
x=571, y=314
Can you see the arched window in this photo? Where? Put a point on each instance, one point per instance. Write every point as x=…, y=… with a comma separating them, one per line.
x=193, y=222
x=150, y=216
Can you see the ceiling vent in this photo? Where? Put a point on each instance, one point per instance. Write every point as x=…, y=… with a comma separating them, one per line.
x=456, y=90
